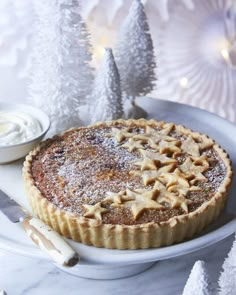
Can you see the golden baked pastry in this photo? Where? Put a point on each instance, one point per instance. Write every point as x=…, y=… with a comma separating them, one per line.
x=128, y=184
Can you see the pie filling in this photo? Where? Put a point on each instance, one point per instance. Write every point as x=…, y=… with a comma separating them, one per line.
x=128, y=175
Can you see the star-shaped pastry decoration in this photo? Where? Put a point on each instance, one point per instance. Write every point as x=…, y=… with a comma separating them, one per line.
x=132, y=145
x=176, y=201
x=143, y=137
x=201, y=161
x=160, y=187
x=147, y=164
x=158, y=158
x=169, y=147
x=182, y=190
x=199, y=177
x=153, y=137
x=158, y=135
x=153, y=145
x=117, y=198
x=173, y=200
x=205, y=143
x=94, y=211
x=142, y=199
x=149, y=176
x=177, y=177
x=198, y=165
x=167, y=128
x=164, y=147
x=119, y=134
x=190, y=147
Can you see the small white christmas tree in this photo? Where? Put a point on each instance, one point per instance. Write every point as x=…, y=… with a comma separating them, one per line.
x=135, y=53
x=106, y=98
x=198, y=281
x=61, y=77
x=227, y=280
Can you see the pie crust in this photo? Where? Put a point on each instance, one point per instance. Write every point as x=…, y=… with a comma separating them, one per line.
x=170, y=183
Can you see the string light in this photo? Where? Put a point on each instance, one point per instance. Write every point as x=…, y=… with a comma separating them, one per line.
x=229, y=53
x=183, y=83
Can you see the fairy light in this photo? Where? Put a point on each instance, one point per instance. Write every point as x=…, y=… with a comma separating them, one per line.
x=183, y=82
x=229, y=56
x=225, y=54
x=228, y=52
x=101, y=39
x=98, y=53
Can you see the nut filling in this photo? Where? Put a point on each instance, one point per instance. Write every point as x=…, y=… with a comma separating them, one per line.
x=128, y=174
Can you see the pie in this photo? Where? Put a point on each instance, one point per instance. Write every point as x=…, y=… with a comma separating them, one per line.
x=128, y=184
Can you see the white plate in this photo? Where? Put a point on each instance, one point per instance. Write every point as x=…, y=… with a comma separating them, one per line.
x=106, y=263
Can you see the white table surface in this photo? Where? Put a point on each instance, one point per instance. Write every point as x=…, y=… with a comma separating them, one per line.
x=24, y=275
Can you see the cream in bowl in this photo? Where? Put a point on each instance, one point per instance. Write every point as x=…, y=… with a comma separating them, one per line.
x=17, y=127
x=21, y=128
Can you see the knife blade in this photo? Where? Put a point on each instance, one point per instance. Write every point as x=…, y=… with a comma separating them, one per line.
x=40, y=233
x=11, y=209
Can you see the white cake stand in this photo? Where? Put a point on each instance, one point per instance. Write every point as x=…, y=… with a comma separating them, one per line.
x=99, y=263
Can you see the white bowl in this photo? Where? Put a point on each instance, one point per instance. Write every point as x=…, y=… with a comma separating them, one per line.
x=14, y=152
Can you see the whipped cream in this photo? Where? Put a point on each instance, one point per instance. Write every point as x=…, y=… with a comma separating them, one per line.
x=17, y=127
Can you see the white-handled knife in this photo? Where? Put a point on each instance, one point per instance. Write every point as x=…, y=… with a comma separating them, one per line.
x=40, y=233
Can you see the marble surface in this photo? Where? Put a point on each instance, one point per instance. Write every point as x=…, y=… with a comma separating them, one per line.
x=21, y=275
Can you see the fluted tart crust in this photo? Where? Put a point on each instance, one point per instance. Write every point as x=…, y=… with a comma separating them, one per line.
x=128, y=184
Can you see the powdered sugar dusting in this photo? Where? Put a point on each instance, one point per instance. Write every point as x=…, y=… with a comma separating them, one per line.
x=81, y=166
x=107, y=169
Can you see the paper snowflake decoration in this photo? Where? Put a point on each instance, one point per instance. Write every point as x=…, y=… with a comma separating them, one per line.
x=16, y=21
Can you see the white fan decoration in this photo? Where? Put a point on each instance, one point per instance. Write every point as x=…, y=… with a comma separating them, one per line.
x=113, y=7
x=16, y=18
x=193, y=58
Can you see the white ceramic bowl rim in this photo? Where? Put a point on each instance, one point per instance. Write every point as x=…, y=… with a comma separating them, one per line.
x=45, y=126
